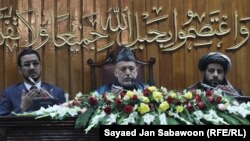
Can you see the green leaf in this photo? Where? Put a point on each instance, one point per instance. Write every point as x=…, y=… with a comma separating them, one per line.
x=157, y=120
x=228, y=118
x=141, y=121
x=103, y=121
x=242, y=120
x=188, y=116
x=172, y=121
x=120, y=120
x=83, y=119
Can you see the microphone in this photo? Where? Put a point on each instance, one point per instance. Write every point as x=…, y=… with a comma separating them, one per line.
x=34, y=83
x=207, y=86
x=133, y=80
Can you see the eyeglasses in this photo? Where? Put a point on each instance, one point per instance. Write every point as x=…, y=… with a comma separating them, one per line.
x=27, y=65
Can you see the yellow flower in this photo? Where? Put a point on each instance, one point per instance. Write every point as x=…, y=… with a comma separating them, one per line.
x=130, y=94
x=163, y=106
x=143, y=108
x=145, y=99
x=188, y=95
x=152, y=88
x=179, y=109
x=157, y=96
x=126, y=97
x=173, y=95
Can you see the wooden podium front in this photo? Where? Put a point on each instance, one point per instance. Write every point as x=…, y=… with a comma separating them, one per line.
x=28, y=129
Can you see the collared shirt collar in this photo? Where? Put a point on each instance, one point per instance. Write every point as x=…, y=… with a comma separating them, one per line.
x=28, y=86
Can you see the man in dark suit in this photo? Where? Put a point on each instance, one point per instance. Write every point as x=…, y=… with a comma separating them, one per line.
x=125, y=72
x=18, y=97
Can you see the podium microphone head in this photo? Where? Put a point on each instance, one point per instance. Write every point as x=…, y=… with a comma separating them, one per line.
x=32, y=81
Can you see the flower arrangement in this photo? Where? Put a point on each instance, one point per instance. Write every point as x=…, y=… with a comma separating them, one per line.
x=152, y=106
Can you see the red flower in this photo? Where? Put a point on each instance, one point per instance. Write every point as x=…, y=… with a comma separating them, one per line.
x=190, y=107
x=218, y=99
x=118, y=101
x=92, y=100
x=123, y=93
x=169, y=99
x=146, y=92
x=209, y=93
x=105, y=99
x=201, y=105
x=108, y=110
x=135, y=98
x=198, y=98
x=128, y=109
x=211, y=99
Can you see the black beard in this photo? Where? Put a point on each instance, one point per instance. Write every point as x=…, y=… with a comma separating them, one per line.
x=224, y=82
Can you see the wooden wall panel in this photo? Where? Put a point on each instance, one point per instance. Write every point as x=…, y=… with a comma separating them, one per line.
x=62, y=54
x=246, y=90
x=66, y=66
x=139, y=7
x=213, y=5
x=10, y=55
x=114, y=4
x=2, y=77
x=87, y=8
x=101, y=7
x=189, y=54
x=126, y=36
x=76, y=67
x=200, y=8
x=165, y=58
x=179, y=54
x=24, y=30
x=151, y=49
x=49, y=51
x=226, y=9
x=36, y=22
x=241, y=55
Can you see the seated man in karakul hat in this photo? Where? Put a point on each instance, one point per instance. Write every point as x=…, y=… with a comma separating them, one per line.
x=214, y=66
x=125, y=72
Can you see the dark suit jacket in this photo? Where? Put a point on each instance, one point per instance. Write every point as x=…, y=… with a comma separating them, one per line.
x=10, y=99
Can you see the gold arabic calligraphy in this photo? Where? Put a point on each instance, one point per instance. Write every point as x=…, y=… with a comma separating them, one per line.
x=170, y=41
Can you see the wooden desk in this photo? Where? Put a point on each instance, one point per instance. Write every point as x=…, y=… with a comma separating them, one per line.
x=29, y=129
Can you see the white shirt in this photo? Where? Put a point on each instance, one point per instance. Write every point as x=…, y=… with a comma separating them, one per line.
x=28, y=86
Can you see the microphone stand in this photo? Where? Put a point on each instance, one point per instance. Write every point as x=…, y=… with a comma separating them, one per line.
x=117, y=87
x=210, y=87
